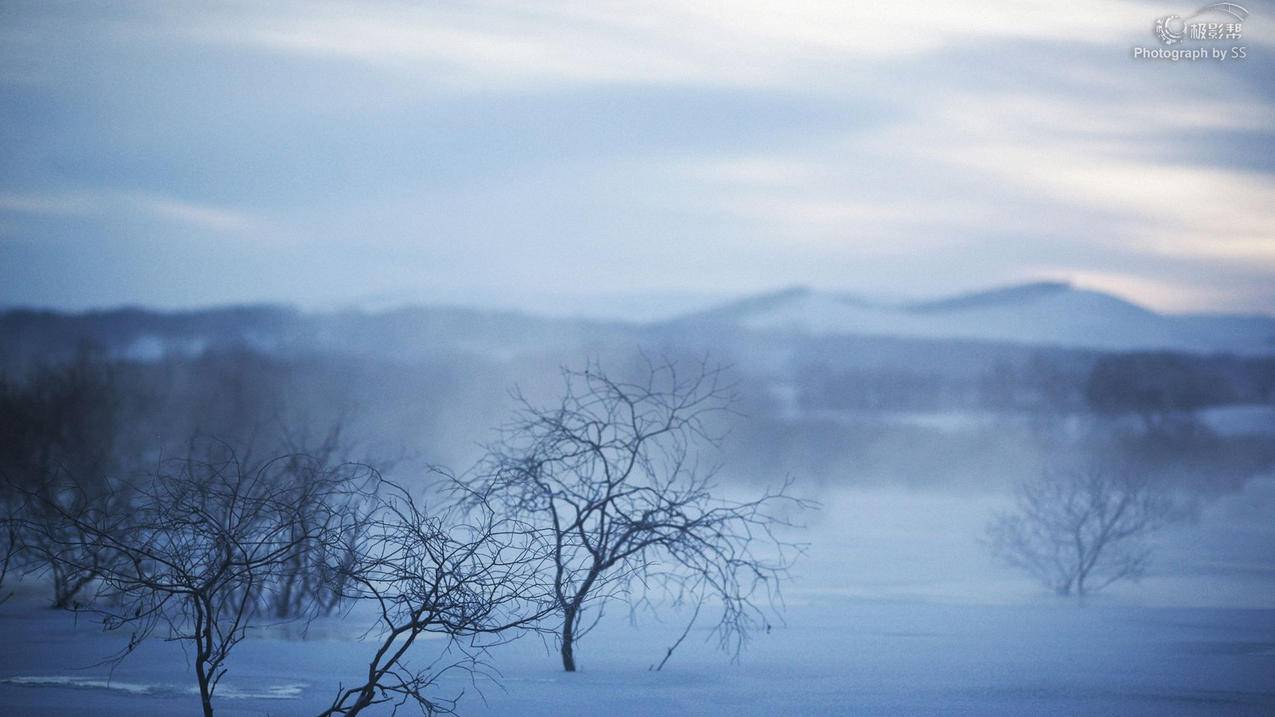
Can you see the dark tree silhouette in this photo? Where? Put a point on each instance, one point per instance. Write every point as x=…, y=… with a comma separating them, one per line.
x=614, y=474
x=474, y=581
x=1164, y=389
x=10, y=543
x=1079, y=530
x=192, y=551
x=204, y=543
x=60, y=425
x=314, y=580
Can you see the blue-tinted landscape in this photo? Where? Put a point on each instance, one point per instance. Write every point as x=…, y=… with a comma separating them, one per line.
x=674, y=359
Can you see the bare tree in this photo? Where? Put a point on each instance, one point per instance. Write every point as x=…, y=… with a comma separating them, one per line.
x=191, y=553
x=72, y=559
x=1163, y=388
x=61, y=425
x=205, y=543
x=472, y=581
x=614, y=474
x=1078, y=530
x=314, y=578
x=10, y=543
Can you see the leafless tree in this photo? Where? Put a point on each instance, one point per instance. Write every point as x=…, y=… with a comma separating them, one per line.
x=59, y=548
x=190, y=553
x=1078, y=530
x=206, y=542
x=10, y=544
x=313, y=579
x=614, y=474
x=474, y=582
x=59, y=426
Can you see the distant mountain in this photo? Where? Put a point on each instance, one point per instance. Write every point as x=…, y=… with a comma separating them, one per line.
x=763, y=330
x=1044, y=313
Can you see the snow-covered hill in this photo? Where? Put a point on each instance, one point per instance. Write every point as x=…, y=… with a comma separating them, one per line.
x=1039, y=313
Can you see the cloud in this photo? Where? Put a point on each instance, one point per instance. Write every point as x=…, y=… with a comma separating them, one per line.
x=130, y=204
x=505, y=45
x=727, y=147
x=970, y=160
x=1095, y=162
x=50, y=204
x=195, y=215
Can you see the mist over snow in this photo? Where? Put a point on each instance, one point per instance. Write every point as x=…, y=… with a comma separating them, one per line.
x=670, y=358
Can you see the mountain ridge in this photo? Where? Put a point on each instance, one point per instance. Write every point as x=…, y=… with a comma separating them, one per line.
x=1044, y=312
x=1053, y=313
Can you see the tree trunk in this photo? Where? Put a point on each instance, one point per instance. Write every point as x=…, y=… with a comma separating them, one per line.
x=571, y=615
x=203, y=649
x=568, y=638
x=205, y=697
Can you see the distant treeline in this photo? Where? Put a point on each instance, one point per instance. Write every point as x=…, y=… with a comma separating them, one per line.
x=432, y=384
x=1142, y=383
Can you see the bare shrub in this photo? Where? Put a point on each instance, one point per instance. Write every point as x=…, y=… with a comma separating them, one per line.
x=10, y=544
x=190, y=553
x=202, y=545
x=1078, y=530
x=60, y=426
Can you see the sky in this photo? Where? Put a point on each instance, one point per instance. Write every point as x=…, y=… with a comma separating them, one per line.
x=584, y=154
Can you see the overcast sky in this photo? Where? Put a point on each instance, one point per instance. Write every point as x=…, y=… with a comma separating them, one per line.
x=497, y=153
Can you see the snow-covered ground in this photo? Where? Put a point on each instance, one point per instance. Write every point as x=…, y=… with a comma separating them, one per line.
x=896, y=611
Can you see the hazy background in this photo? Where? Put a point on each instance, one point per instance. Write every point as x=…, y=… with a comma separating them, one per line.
x=594, y=180
x=622, y=159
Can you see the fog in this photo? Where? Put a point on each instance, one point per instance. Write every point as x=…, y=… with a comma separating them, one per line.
x=903, y=454
x=676, y=360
